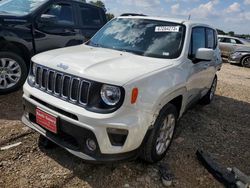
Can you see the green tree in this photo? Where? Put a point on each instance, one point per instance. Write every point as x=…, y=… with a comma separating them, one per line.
x=102, y=5
x=98, y=4
x=231, y=33
x=110, y=16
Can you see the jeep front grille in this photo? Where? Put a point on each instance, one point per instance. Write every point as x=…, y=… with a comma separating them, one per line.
x=64, y=86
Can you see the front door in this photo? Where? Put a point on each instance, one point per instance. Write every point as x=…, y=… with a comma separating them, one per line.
x=61, y=32
x=201, y=72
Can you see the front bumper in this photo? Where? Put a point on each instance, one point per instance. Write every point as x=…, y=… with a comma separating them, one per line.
x=73, y=138
x=76, y=124
x=234, y=59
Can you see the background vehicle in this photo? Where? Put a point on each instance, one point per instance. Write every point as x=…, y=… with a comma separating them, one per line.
x=121, y=94
x=228, y=45
x=28, y=27
x=240, y=56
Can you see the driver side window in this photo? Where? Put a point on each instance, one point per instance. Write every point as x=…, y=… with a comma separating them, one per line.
x=198, y=40
x=63, y=14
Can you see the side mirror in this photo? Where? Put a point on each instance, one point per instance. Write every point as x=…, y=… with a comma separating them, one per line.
x=48, y=19
x=204, y=54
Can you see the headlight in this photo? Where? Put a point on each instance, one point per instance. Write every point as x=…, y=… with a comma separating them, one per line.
x=34, y=69
x=31, y=77
x=111, y=95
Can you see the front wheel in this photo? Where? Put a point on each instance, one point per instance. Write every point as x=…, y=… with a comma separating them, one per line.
x=13, y=72
x=246, y=62
x=161, y=135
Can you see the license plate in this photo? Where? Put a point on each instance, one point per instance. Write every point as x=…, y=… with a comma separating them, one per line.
x=46, y=120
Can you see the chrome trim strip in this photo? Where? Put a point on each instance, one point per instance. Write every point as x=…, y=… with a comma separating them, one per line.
x=80, y=92
x=60, y=85
x=71, y=89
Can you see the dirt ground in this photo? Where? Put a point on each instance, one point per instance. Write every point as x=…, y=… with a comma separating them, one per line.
x=222, y=128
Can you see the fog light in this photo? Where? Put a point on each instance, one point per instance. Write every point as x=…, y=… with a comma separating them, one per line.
x=91, y=144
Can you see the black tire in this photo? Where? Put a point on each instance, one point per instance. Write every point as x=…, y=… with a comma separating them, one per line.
x=208, y=98
x=24, y=71
x=245, y=62
x=46, y=143
x=149, y=151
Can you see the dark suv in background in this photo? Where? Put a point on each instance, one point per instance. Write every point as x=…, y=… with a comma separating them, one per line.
x=28, y=27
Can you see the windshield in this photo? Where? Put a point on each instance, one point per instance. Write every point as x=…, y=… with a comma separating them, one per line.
x=144, y=37
x=19, y=7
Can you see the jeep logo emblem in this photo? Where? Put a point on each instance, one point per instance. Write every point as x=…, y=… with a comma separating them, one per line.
x=62, y=66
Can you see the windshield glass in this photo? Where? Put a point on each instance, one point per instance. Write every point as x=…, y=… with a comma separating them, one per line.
x=19, y=7
x=144, y=37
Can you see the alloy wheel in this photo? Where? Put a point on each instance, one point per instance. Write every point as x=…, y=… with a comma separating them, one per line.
x=246, y=62
x=10, y=73
x=166, y=134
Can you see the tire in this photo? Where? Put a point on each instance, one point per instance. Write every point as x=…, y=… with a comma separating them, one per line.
x=245, y=62
x=45, y=143
x=151, y=152
x=13, y=72
x=208, y=98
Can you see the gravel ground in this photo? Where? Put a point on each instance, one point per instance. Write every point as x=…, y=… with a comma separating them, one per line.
x=222, y=128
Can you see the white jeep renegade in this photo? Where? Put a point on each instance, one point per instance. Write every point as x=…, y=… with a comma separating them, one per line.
x=120, y=95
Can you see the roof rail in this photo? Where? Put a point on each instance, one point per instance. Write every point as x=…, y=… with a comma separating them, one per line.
x=132, y=14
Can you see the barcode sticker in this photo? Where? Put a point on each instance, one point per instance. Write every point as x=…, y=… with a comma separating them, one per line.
x=167, y=28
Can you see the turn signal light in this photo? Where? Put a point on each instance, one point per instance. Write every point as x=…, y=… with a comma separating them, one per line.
x=134, y=95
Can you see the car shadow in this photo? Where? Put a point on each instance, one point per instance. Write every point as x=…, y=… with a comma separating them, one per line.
x=221, y=127
x=11, y=106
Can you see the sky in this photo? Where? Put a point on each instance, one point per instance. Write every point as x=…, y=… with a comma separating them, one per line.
x=228, y=15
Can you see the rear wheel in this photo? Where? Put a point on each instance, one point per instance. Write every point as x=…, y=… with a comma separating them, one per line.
x=246, y=62
x=161, y=136
x=13, y=72
x=207, y=99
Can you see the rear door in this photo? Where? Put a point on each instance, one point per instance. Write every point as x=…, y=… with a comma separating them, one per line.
x=63, y=32
x=91, y=19
x=211, y=43
x=227, y=46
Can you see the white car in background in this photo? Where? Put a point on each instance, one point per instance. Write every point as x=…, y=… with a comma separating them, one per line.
x=120, y=95
x=229, y=44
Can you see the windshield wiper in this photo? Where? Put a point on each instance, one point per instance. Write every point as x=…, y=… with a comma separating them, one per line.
x=130, y=51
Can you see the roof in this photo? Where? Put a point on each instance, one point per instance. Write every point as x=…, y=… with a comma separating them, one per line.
x=228, y=36
x=174, y=20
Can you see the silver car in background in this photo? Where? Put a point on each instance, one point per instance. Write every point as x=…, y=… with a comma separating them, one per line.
x=240, y=56
x=229, y=44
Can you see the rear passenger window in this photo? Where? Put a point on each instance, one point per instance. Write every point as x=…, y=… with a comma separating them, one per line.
x=232, y=41
x=210, y=38
x=90, y=16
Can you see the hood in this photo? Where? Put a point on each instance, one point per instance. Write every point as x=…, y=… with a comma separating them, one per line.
x=100, y=64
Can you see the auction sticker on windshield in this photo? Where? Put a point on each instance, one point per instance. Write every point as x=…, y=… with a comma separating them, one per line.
x=46, y=120
x=167, y=28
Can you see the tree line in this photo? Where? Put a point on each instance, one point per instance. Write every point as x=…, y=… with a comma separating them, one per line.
x=102, y=5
